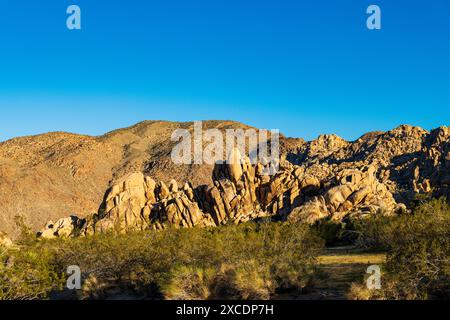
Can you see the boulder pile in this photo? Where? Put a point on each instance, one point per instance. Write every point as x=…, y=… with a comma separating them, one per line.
x=55, y=175
x=241, y=192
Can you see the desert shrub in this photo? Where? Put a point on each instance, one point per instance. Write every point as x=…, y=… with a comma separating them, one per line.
x=26, y=269
x=360, y=291
x=335, y=233
x=248, y=261
x=27, y=274
x=189, y=283
x=245, y=282
x=374, y=233
x=226, y=283
x=251, y=261
x=418, y=251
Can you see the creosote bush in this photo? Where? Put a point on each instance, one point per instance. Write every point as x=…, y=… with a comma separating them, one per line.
x=418, y=251
x=248, y=261
x=27, y=274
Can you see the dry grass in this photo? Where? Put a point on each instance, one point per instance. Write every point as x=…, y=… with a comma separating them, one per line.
x=357, y=258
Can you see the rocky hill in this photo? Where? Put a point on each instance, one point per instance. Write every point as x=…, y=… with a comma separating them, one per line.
x=408, y=159
x=57, y=175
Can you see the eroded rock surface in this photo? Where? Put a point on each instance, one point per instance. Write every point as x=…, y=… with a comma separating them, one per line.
x=54, y=175
x=241, y=192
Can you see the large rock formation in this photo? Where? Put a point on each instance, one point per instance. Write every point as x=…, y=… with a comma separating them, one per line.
x=52, y=176
x=241, y=192
x=138, y=203
x=63, y=228
x=351, y=192
x=431, y=170
x=408, y=160
x=55, y=175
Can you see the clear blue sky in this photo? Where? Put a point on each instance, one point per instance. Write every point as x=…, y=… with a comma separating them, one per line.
x=304, y=67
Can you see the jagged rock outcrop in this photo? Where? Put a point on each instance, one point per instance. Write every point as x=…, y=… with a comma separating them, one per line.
x=310, y=212
x=139, y=203
x=233, y=197
x=54, y=175
x=408, y=160
x=241, y=192
x=432, y=168
x=350, y=192
x=63, y=228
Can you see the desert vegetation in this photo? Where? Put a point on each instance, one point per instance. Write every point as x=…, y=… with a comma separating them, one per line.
x=256, y=260
x=249, y=261
x=418, y=252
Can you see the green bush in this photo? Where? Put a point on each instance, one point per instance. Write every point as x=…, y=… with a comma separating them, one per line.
x=335, y=233
x=418, y=251
x=27, y=274
x=249, y=261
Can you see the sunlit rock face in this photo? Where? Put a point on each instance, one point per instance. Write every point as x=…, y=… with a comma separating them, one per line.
x=327, y=178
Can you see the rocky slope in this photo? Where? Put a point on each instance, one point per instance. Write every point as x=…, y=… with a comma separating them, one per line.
x=56, y=175
x=408, y=159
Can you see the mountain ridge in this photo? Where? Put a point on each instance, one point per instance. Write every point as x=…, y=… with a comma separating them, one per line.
x=53, y=175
